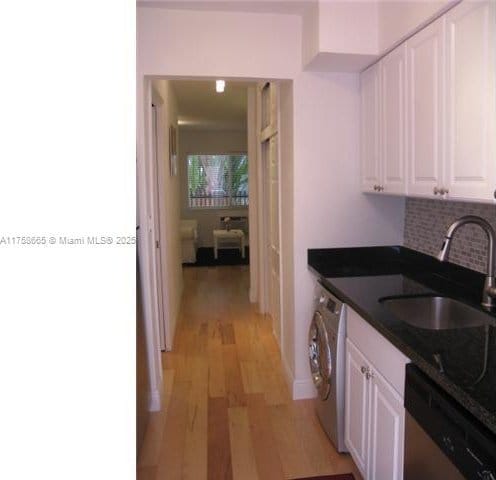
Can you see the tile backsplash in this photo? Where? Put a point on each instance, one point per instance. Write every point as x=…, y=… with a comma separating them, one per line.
x=426, y=222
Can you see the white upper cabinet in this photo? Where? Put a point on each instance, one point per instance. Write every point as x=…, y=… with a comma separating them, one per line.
x=437, y=110
x=393, y=121
x=470, y=101
x=370, y=118
x=425, y=109
x=383, y=139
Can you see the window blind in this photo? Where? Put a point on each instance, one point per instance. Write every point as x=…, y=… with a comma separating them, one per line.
x=217, y=181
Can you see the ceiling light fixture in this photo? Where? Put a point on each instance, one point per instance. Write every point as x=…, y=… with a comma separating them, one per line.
x=219, y=86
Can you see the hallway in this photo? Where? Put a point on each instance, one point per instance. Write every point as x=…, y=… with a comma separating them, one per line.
x=228, y=413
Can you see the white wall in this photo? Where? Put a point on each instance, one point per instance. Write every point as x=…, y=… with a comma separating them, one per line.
x=339, y=36
x=348, y=27
x=347, y=36
x=286, y=185
x=310, y=33
x=323, y=177
x=217, y=44
x=399, y=18
x=207, y=142
x=170, y=212
x=329, y=210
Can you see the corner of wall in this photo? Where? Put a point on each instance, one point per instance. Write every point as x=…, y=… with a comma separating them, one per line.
x=310, y=33
x=252, y=150
x=299, y=389
x=286, y=131
x=303, y=389
x=155, y=399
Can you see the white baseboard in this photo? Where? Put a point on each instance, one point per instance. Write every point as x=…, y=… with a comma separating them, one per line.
x=288, y=375
x=252, y=296
x=154, y=401
x=303, y=389
x=300, y=389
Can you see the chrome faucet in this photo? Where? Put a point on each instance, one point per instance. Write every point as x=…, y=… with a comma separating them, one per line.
x=489, y=292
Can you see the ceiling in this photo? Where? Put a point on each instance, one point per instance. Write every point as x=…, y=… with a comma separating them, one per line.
x=200, y=107
x=288, y=7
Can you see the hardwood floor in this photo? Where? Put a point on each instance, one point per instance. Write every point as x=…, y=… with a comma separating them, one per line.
x=228, y=413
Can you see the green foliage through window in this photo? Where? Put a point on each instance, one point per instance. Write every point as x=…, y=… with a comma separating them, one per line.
x=217, y=181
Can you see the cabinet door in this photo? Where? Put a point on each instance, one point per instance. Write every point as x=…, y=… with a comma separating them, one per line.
x=393, y=102
x=370, y=155
x=356, y=406
x=387, y=425
x=425, y=52
x=470, y=101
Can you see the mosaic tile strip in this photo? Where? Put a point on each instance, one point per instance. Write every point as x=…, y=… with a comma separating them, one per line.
x=426, y=222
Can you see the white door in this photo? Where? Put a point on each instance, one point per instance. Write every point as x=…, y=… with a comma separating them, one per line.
x=356, y=406
x=425, y=67
x=387, y=425
x=470, y=101
x=270, y=259
x=274, y=250
x=370, y=118
x=393, y=115
x=156, y=199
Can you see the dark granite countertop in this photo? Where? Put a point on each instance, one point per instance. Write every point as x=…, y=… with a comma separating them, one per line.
x=362, y=276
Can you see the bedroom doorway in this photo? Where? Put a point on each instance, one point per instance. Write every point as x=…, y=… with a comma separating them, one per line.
x=214, y=171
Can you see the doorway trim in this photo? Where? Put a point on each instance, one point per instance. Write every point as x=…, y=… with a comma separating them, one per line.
x=146, y=240
x=160, y=252
x=147, y=213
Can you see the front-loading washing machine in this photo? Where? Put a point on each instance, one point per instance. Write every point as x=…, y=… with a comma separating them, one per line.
x=326, y=344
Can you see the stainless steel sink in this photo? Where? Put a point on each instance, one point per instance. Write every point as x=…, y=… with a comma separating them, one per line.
x=436, y=313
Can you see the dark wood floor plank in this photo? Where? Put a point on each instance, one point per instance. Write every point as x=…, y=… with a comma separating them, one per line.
x=219, y=465
x=146, y=473
x=234, y=383
x=227, y=334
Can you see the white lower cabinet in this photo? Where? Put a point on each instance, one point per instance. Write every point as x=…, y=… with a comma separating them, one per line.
x=356, y=406
x=387, y=426
x=374, y=411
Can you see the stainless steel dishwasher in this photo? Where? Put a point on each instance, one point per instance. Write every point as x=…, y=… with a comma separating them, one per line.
x=442, y=440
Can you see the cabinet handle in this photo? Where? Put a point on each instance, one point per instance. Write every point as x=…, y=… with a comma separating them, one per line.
x=366, y=371
x=440, y=191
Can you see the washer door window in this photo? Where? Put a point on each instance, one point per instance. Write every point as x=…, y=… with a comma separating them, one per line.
x=319, y=352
